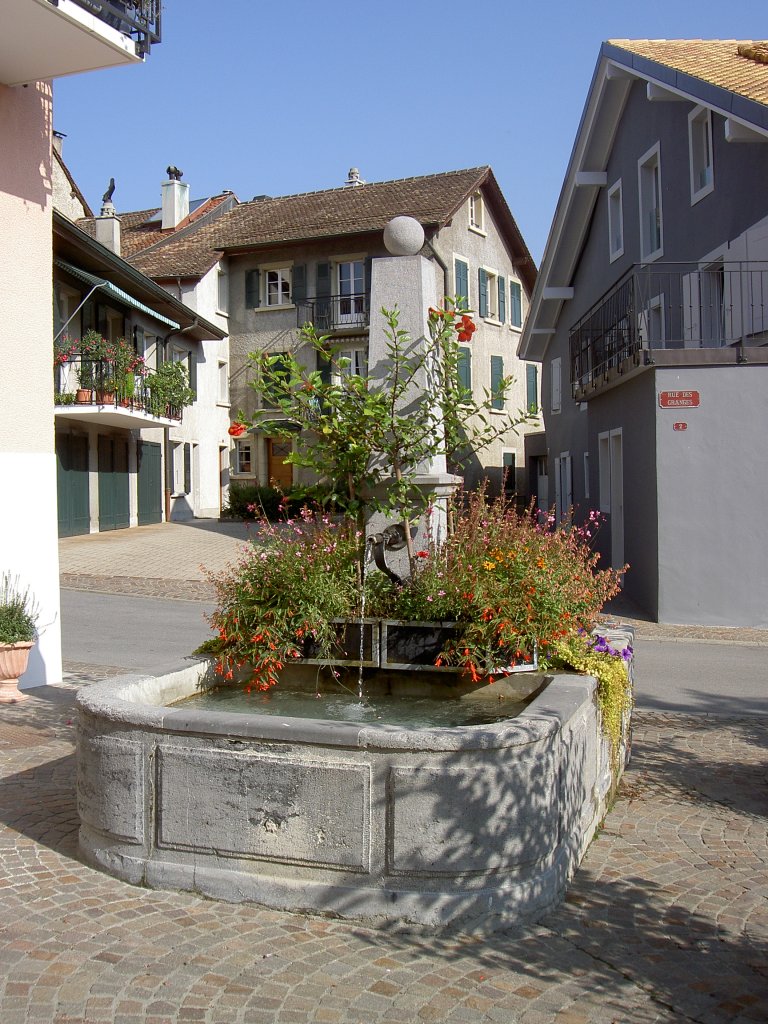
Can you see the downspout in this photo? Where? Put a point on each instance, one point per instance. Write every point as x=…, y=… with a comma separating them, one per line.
x=441, y=262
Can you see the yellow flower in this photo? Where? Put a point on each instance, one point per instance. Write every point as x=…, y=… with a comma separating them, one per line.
x=489, y=565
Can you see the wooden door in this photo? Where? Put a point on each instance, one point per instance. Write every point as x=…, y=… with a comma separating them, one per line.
x=279, y=472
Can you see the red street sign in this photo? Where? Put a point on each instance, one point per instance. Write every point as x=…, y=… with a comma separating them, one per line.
x=679, y=426
x=679, y=399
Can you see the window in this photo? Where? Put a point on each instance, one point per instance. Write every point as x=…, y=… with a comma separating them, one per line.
x=356, y=362
x=476, y=212
x=277, y=287
x=649, y=189
x=271, y=383
x=181, y=469
x=556, y=383
x=461, y=281
x=244, y=457
x=615, y=222
x=223, y=384
x=652, y=322
x=563, y=487
x=488, y=293
x=509, y=473
x=515, y=304
x=351, y=275
x=149, y=349
x=532, y=388
x=223, y=291
x=700, y=149
x=497, y=380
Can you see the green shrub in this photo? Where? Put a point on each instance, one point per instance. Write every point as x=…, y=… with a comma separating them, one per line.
x=18, y=612
x=250, y=501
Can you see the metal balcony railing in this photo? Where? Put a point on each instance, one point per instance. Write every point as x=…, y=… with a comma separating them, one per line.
x=335, y=312
x=88, y=382
x=669, y=306
x=140, y=19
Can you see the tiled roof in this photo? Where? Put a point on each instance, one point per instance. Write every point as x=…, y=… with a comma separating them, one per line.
x=731, y=64
x=432, y=200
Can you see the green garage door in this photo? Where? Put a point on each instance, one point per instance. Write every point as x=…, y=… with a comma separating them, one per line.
x=72, y=484
x=114, y=512
x=150, y=484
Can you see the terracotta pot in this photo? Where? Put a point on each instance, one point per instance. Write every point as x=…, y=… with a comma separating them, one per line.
x=83, y=396
x=105, y=397
x=13, y=663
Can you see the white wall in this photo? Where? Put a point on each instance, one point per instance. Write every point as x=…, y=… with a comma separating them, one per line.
x=28, y=527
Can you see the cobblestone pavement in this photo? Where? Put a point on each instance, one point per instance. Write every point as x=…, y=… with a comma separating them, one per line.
x=665, y=921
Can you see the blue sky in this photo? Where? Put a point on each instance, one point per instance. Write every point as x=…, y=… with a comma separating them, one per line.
x=277, y=98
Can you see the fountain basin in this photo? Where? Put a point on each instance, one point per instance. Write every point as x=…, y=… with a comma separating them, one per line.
x=480, y=825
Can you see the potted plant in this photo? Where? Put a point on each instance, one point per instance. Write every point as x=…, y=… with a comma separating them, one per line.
x=18, y=631
x=169, y=390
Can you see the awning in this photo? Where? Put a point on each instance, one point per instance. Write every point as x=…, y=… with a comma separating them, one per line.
x=99, y=282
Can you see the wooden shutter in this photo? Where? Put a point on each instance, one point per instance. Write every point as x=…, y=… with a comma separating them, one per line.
x=516, y=305
x=252, y=289
x=502, y=299
x=482, y=290
x=323, y=280
x=464, y=367
x=461, y=280
x=497, y=375
x=299, y=283
x=532, y=387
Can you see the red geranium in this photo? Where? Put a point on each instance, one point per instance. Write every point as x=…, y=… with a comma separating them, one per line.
x=237, y=429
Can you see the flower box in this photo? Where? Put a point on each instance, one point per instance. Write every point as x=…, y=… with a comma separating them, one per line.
x=347, y=649
x=416, y=646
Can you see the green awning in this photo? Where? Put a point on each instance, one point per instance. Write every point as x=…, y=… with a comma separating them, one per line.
x=99, y=282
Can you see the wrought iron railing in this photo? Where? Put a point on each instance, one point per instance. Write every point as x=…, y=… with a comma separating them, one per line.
x=669, y=306
x=139, y=19
x=94, y=382
x=335, y=312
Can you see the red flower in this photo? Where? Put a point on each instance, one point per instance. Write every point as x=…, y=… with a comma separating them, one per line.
x=466, y=328
x=422, y=554
x=237, y=429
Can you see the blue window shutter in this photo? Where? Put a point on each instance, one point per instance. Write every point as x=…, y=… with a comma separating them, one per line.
x=532, y=387
x=461, y=278
x=482, y=286
x=516, y=304
x=497, y=375
x=502, y=299
x=464, y=367
x=252, y=292
x=299, y=283
x=323, y=280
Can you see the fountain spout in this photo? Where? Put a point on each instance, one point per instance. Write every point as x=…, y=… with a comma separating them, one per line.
x=390, y=539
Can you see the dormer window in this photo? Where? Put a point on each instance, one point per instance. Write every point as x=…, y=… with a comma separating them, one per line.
x=476, y=212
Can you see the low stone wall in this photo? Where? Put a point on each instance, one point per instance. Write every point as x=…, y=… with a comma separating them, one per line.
x=479, y=825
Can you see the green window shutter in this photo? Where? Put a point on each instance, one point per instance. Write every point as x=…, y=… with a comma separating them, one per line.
x=324, y=368
x=502, y=299
x=509, y=482
x=461, y=280
x=464, y=367
x=497, y=375
x=482, y=291
x=252, y=289
x=323, y=280
x=193, y=371
x=532, y=387
x=299, y=283
x=516, y=304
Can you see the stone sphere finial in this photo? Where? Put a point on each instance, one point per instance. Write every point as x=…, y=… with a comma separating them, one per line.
x=403, y=236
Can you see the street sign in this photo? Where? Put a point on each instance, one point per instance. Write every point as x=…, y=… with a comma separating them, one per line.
x=679, y=399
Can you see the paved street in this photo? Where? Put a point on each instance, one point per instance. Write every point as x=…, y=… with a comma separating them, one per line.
x=666, y=919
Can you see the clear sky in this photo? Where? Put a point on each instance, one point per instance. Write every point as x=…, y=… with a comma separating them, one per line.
x=285, y=96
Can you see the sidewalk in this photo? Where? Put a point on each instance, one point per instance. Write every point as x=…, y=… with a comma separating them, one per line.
x=666, y=919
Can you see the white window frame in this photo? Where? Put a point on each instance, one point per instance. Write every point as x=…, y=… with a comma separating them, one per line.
x=358, y=366
x=492, y=293
x=615, y=221
x=244, y=448
x=556, y=386
x=177, y=465
x=222, y=292
x=222, y=383
x=649, y=190
x=284, y=281
x=700, y=153
x=477, y=213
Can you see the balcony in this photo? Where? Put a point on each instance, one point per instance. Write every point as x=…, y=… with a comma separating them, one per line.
x=89, y=389
x=335, y=313
x=665, y=307
x=43, y=39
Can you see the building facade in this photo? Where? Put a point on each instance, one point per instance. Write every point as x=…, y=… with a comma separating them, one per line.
x=650, y=317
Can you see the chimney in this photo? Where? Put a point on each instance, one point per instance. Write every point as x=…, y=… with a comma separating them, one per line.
x=353, y=179
x=175, y=199
x=58, y=141
x=108, y=223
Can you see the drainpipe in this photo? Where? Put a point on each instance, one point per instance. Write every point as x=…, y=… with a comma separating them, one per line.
x=441, y=262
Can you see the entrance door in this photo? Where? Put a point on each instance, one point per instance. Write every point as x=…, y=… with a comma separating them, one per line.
x=114, y=511
x=351, y=292
x=72, y=484
x=617, y=500
x=279, y=472
x=150, y=483
x=542, y=483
